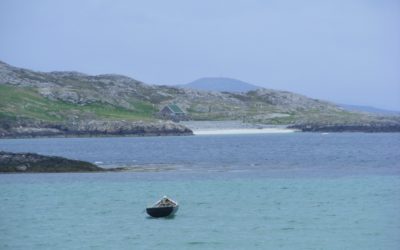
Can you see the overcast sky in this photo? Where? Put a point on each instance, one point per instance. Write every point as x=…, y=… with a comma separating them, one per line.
x=344, y=51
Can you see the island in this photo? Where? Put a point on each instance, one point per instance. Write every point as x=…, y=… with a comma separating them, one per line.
x=35, y=163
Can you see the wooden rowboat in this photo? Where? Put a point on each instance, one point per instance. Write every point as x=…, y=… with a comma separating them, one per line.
x=163, y=208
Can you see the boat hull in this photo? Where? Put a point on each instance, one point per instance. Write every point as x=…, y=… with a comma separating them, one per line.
x=158, y=212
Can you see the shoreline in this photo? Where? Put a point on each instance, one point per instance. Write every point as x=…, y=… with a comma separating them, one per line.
x=199, y=128
x=243, y=131
x=94, y=136
x=235, y=128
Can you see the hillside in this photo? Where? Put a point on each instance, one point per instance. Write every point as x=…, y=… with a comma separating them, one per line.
x=369, y=109
x=72, y=103
x=220, y=84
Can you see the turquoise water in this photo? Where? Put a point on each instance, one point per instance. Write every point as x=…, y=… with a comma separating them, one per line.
x=97, y=212
x=308, y=205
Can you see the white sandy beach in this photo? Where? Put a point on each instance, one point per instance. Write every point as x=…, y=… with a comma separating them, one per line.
x=234, y=127
x=242, y=131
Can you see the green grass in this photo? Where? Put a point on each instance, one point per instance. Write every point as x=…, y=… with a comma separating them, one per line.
x=27, y=103
x=279, y=120
x=17, y=103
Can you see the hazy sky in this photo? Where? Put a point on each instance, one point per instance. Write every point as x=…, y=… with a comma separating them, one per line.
x=344, y=51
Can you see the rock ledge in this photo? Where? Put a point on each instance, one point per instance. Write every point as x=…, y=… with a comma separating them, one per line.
x=35, y=163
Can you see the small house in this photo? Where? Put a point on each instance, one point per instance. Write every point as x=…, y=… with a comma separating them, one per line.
x=173, y=112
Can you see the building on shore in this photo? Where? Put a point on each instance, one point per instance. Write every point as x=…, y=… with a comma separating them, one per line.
x=173, y=112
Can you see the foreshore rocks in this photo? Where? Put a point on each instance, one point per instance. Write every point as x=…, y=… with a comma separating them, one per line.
x=35, y=163
x=95, y=128
x=369, y=128
x=128, y=128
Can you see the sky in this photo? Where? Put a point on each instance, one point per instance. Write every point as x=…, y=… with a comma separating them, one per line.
x=345, y=51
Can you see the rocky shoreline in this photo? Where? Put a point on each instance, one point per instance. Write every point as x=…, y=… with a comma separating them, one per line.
x=35, y=163
x=93, y=128
x=367, y=128
x=124, y=128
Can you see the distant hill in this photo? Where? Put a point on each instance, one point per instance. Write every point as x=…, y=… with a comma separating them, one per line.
x=369, y=109
x=220, y=84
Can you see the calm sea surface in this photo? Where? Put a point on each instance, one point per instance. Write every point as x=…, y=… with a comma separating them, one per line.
x=271, y=191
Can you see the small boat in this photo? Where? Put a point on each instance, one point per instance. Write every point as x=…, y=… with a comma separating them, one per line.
x=163, y=208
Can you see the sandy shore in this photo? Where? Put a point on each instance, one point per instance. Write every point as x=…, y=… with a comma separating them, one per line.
x=233, y=127
x=242, y=131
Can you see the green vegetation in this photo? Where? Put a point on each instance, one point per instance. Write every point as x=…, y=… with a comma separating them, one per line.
x=25, y=102
x=73, y=99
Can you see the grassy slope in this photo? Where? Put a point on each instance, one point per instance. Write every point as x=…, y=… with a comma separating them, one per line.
x=28, y=103
x=23, y=102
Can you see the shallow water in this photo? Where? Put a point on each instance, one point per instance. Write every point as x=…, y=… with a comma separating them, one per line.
x=106, y=211
x=303, y=191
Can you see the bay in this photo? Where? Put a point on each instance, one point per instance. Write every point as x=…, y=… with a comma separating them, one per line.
x=289, y=191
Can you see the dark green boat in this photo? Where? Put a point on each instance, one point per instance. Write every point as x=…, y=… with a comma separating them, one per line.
x=163, y=208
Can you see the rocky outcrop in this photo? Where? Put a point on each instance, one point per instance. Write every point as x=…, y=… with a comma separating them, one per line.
x=81, y=89
x=95, y=128
x=34, y=163
x=367, y=127
x=127, y=128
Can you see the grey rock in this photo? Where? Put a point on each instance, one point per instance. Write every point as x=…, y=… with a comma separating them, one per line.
x=97, y=128
x=31, y=163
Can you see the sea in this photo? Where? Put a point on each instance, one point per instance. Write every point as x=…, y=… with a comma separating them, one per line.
x=266, y=191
